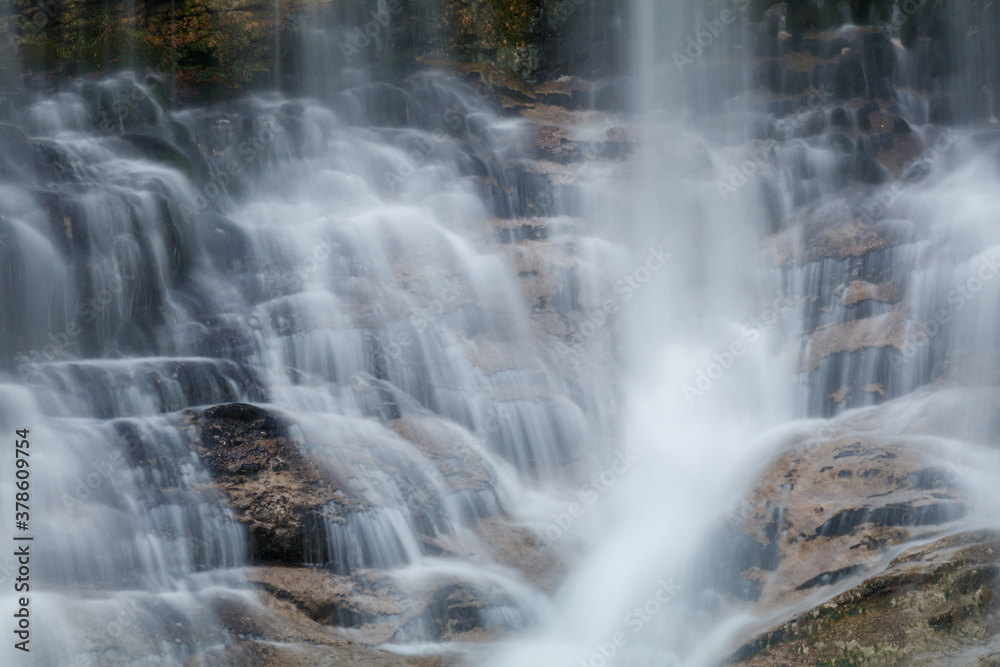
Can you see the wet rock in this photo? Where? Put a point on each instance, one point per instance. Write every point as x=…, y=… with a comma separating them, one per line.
x=839, y=118
x=766, y=43
x=829, y=237
x=522, y=549
x=831, y=507
x=562, y=145
x=290, y=624
x=453, y=612
x=884, y=330
x=378, y=608
x=879, y=59
x=159, y=150
x=849, y=80
x=110, y=388
x=940, y=109
x=15, y=151
x=275, y=492
x=934, y=604
x=769, y=75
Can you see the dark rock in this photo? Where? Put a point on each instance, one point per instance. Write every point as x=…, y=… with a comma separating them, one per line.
x=897, y=514
x=275, y=492
x=840, y=118
x=867, y=108
x=830, y=578
x=766, y=43
x=795, y=83
x=849, y=79
x=941, y=109
x=879, y=56
x=769, y=75
x=863, y=169
x=16, y=154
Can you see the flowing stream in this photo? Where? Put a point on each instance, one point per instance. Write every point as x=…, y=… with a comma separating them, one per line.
x=353, y=260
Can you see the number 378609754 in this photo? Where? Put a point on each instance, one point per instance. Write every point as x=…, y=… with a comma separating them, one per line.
x=21, y=474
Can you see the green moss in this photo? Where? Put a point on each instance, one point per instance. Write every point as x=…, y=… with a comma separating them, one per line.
x=504, y=33
x=201, y=40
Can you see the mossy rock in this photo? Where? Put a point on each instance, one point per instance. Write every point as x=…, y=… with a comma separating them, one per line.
x=933, y=603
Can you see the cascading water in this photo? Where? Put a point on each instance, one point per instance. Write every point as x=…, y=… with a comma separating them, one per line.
x=719, y=384
x=287, y=255
x=364, y=336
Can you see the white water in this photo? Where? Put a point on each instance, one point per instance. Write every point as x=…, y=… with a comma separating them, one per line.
x=353, y=309
x=700, y=452
x=344, y=274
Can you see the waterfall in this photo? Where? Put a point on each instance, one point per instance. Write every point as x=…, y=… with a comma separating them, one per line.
x=398, y=362
x=333, y=264
x=719, y=381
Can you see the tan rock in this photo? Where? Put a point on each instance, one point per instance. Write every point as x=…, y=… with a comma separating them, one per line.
x=931, y=606
x=833, y=509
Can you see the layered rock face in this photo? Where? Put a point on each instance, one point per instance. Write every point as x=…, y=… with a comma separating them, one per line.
x=934, y=604
x=216, y=48
x=849, y=121
x=858, y=547
x=860, y=544
x=301, y=511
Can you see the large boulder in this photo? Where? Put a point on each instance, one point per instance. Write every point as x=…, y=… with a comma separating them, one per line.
x=831, y=508
x=935, y=604
x=275, y=492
